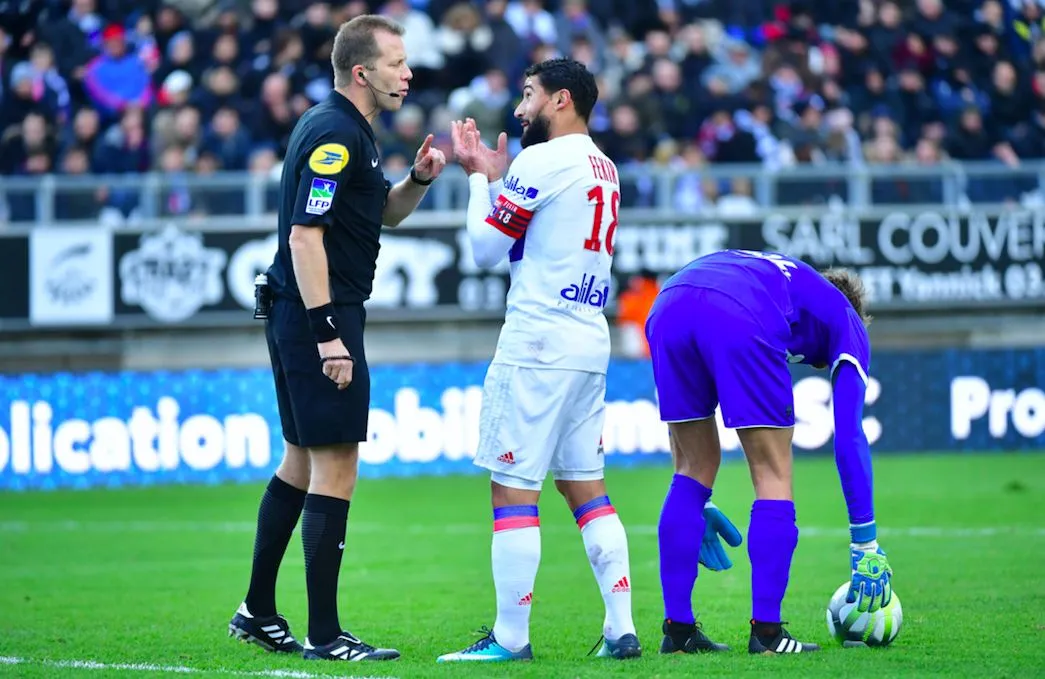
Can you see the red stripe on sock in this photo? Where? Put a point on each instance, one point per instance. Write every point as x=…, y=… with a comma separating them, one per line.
x=516, y=522
x=596, y=513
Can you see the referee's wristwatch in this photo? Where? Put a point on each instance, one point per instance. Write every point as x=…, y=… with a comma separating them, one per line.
x=417, y=180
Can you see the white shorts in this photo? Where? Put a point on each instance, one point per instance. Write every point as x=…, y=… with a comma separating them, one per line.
x=536, y=420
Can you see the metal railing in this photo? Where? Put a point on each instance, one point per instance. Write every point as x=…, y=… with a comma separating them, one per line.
x=130, y=199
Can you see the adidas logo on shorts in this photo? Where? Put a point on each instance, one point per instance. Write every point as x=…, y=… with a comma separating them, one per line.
x=507, y=458
x=622, y=586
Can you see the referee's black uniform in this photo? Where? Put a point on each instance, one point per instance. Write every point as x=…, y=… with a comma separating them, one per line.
x=331, y=178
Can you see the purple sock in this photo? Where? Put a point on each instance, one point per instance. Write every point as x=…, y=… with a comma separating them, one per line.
x=681, y=531
x=771, y=541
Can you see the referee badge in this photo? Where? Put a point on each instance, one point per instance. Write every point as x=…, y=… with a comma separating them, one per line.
x=320, y=196
x=328, y=159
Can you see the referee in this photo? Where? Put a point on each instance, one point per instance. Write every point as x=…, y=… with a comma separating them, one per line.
x=334, y=199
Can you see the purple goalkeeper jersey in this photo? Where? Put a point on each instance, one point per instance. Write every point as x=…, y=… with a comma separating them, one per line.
x=825, y=329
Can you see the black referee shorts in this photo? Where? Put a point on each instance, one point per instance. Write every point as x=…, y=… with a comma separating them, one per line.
x=312, y=410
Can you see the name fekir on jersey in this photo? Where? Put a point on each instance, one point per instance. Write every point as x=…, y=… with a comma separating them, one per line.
x=560, y=202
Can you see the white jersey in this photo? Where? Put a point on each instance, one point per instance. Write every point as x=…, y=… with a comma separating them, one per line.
x=560, y=202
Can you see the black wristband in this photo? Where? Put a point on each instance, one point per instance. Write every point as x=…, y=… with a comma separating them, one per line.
x=322, y=321
x=417, y=180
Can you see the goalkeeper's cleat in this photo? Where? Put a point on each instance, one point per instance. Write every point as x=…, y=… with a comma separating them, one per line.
x=871, y=585
x=680, y=637
x=348, y=647
x=271, y=632
x=487, y=650
x=774, y=639
x=621, y=649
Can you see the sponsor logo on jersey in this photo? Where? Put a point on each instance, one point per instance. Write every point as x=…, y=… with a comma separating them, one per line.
x=512, y=185
x=328, y=159
x=586, y=293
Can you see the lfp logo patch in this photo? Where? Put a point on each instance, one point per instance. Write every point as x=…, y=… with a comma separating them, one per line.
x=320, y=196
x=328, y=159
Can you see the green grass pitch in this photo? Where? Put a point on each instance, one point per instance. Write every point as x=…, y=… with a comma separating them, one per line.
x=143, y=581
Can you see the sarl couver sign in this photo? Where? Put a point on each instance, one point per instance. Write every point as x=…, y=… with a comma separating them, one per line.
x=111, y=429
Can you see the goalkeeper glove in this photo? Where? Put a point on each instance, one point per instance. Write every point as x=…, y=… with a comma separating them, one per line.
x=871, y=584
x=712, y=554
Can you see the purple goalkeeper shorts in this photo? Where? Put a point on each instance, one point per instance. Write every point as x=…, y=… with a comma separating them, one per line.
x=707, y=349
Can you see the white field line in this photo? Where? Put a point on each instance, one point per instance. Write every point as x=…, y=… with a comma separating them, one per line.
x=170, y=669
x=101, y=526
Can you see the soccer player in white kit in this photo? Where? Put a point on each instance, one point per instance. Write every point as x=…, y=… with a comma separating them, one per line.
x=554, y=216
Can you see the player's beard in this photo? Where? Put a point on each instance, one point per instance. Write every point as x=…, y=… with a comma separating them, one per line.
x=536, y=132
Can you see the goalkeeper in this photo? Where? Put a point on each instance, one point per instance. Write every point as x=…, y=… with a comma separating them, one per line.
x=722, y=332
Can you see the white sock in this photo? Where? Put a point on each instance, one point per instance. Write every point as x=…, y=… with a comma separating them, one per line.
x=607, y=546
x=515, y=555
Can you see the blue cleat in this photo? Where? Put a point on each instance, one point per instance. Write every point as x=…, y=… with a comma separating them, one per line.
x=621, y=649
x=487, y=650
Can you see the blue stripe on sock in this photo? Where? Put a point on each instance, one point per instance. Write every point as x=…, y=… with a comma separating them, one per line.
x=514, y=510
x=603, y=501
x=864, y=532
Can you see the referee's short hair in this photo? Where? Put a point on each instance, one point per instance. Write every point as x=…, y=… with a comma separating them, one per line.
x=355, y=45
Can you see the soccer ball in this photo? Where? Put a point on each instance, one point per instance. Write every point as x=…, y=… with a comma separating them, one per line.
x=853, y=628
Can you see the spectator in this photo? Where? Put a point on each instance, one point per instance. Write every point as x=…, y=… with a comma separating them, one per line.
x=1008, y=99
x=220, y=89
x=916, y=107
x=738, y=202
x=574, y=21
x=696, y=58
x=274, y=119
x=46, y=77
x=464, y=42
x=505, y=51
x=676, y=108
x=419, y=41
x=532, y=23
x=85, y=130
x=123, y=150
x=488, y=100
x=227, y=141
x=886, y=35
x=736, y=64
x=117, y=79
x=22, y=145
x=176, y=198
x=28, y=95
x=76, y=204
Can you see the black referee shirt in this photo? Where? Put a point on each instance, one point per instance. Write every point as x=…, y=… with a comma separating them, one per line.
x=332, y=178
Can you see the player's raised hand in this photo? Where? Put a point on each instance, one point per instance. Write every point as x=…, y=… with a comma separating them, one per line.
x=495, y=160
x=871, y=585
x=465, y=140
x=717, y=527
x=429, y=161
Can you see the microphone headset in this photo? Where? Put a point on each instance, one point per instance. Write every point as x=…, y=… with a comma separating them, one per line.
x=394, y=95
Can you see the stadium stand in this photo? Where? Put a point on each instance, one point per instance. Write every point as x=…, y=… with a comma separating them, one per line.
x=198, y=87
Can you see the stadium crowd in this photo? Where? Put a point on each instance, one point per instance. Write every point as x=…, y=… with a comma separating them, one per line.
x=198, y=86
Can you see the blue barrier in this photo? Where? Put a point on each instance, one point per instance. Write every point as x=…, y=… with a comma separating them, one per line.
x=134, y=428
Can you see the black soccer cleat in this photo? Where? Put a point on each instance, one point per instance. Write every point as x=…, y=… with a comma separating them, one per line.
x=774, y=639
x=271, y=632
x=681, y=637
x=348, y=647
